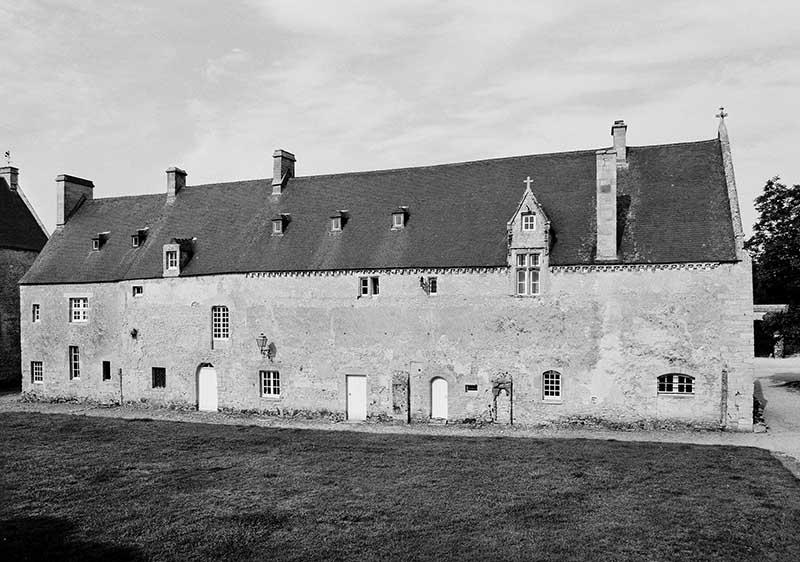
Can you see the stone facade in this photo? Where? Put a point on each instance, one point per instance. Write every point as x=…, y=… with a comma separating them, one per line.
x=13, y=265
x=609, y=330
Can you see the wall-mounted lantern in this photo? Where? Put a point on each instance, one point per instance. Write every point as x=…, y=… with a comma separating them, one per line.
x=263, y=344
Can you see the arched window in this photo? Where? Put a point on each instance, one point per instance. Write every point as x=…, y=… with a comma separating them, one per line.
x=675, y=383
x=551, y=385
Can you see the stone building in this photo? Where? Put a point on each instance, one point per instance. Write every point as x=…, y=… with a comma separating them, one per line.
x=22, y=236
x=598, y=284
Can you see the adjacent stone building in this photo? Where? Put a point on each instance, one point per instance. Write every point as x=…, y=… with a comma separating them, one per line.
x=22, y=236
x=601, y=284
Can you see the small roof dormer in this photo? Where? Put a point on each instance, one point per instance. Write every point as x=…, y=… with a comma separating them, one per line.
x=99, y=240
x=279, y=223
x=399, y=217
x=138, y=238
x=338, y=220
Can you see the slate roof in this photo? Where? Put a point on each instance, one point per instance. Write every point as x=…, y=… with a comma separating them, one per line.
x=19, y=229
x=673, y=201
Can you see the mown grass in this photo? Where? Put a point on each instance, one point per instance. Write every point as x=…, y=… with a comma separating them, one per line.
x=75, y=488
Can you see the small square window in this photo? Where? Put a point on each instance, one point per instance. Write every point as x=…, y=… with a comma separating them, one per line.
x=270, y=383
x=36, y=372
x=35, y=313
x=137, y=290
x=159, y=377
x=134, y=241
x=171, y=257
x=106, y=370
x=528, y=221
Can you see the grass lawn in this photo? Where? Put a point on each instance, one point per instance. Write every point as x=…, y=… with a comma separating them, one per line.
x=76, y=488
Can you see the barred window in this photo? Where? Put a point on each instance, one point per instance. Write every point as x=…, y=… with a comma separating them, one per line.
x=36, y=371
x=220, y=323
x=551, y=385
x=159, y=377
x=78, y=309
x=527, y=274
x=270, y=383
x=675, y=383
x=74, y=362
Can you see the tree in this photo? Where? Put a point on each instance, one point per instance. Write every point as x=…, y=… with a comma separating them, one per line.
x=775, y=244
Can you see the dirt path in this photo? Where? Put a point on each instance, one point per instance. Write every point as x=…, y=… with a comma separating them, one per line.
x=782, y=415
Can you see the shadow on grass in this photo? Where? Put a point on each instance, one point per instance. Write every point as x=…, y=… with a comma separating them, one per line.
x=50, y=538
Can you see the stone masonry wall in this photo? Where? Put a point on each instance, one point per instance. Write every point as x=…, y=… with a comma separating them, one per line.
x=13, y=265
x=610, y=332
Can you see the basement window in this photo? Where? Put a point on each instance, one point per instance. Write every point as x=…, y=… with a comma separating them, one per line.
x=159, y=377
x=368, y=286
x=675, y=383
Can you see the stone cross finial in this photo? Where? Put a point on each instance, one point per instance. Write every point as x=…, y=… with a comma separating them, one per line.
x=722, y=114
x=528, y=181
x=8, y=157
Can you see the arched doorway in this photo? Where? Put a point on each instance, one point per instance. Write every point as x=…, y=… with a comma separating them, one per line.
x=439, y=398
x=207, y=388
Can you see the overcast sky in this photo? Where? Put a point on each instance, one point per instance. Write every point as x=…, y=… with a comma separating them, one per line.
x=116, y=92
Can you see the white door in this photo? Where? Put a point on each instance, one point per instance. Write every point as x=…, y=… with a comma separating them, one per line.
x=439, y=398
x=356, y=397
x=207, y=389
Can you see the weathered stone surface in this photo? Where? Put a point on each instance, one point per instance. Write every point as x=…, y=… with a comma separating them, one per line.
x=609, y=332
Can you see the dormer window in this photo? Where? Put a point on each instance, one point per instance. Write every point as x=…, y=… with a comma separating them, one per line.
x=138, y=238
x=528, y=221
x=171, y=259
x=279, y=224
x=336, y=223
x=99, y=240
x=399, y=218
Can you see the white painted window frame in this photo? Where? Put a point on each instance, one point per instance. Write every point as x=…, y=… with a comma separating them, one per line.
x=269, y=384
x=527, y=274
x=37, y=372
x=369, y=286
x=676, y=385
x=528, y=222
x=78, y=309
x=551, y=386
x=171, y=258
x=35, y=312
x=220, y=322
x=74, y=363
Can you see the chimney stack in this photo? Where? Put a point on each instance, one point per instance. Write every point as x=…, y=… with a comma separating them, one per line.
x=282, y=169
x=606, y=205
x=618, y=131
x=10, y=174
x=71, y=193
x=176, y=180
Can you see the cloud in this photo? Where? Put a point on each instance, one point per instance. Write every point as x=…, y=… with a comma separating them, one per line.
x=226, y=65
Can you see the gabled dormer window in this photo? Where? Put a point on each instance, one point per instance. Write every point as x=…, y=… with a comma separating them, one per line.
x=135, y=241
x=336, y=223
x=399, y=218
x=95, y=244
x=528, y=221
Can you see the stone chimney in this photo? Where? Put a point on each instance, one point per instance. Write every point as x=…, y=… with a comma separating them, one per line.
x=606, y=205
x=10, y=174
x=618, y=131
x=176, y=180
x=282, y=169
x=71, y=194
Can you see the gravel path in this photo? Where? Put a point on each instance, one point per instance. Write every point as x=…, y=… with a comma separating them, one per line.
x=782, y=415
